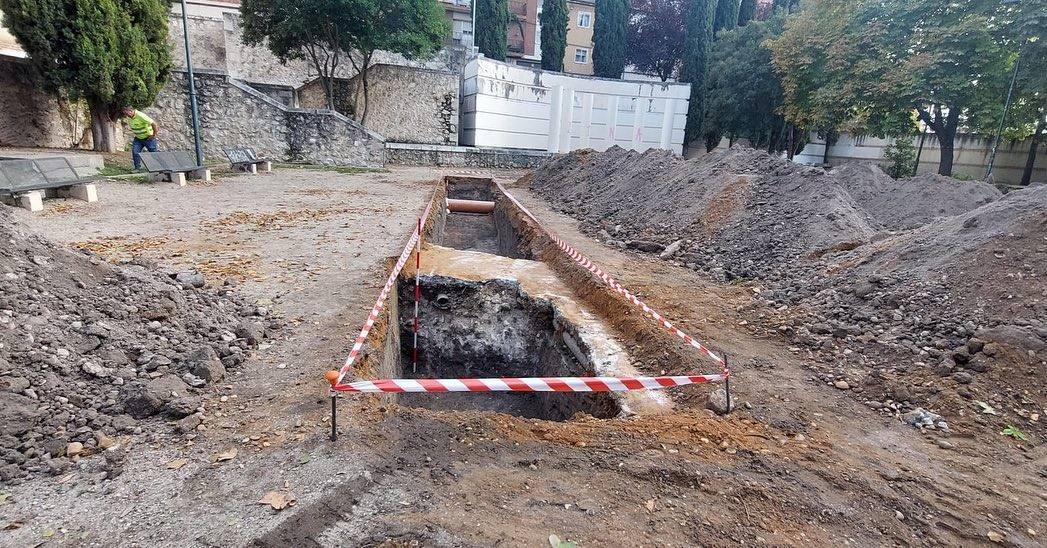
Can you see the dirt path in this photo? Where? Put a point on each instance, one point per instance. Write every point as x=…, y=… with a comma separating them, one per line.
x=800, y=464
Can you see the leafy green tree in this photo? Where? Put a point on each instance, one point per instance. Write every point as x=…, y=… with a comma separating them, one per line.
x=609, y=38
x=746, y=12
x=743, y=91
x=656, y=37
x=316, y=31
x=412, y=28
x=788, y=6
x=726, y=15
x=110, y=53
x=699, y=37
x=330, y=33
x=894, y=56
x=492, y=21
x=554, y=34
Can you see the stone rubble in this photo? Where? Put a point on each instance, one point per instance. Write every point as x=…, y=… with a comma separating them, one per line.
x=91, y=351
x=903, y=292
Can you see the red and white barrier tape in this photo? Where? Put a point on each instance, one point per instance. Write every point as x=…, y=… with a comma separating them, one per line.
x=532, y=384
x=380, y=303
x=542, y=384
x=588, y=265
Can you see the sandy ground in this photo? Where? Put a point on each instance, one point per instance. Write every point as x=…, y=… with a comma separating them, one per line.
x=799, y=464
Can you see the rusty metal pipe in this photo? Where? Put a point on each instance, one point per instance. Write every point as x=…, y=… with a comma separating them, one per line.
x=470, y=206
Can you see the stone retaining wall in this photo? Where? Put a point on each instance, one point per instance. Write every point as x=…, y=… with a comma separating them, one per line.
x=449, y=156
x=234, y=114
x=407, y=104
x=31, y=118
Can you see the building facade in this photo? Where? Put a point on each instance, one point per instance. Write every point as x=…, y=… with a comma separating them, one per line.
x=578, y=56
x=522, y=34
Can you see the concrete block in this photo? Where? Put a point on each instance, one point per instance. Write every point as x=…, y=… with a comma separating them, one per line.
x=87, y=192
x=177, y=178
x=252, y=168
x=203, y=174
x=32, y=200
x=267, y=167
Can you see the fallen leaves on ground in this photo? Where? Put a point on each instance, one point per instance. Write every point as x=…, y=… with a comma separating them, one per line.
x=278, y=500
x=119, y=247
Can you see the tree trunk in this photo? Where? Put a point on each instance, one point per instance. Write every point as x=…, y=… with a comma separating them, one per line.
x=103, y=126
x=1030, y=161
x=366, y=68
x=367, y=96
x=329, y=91
x=789, y=143
x=830, y=139
x=947, y=139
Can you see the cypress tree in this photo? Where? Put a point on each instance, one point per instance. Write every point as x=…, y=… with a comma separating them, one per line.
x=746, y=12
x=726, y=15
x=699, y=39
x=492, y=22
x=609, y=38
x=111, y=53
x=554, y=34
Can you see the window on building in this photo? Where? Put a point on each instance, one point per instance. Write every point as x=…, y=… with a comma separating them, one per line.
x=581, y=55
x=585, y=19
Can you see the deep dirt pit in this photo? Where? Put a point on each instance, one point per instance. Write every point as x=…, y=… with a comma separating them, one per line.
x=492, y=329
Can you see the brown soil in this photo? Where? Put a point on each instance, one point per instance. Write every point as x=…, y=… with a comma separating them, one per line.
x=799, y=463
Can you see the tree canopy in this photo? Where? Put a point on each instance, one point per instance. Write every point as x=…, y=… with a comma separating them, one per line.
x=609, y=38
x=656, y=37
x=492, y=21
x=554, y=33
x=697, y=44
x=111, y=53
x=874, y=62
x=744, y=92
x=726, y=15
x=746, y=12
x=328, y=33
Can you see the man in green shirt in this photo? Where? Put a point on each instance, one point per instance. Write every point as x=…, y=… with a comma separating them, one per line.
x=145, y=130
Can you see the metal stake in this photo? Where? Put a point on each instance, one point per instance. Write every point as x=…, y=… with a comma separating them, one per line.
x=334, y=417
x=727, y=383
x=417, y=294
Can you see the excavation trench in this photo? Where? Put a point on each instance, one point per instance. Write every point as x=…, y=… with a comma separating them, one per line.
x=487, y=309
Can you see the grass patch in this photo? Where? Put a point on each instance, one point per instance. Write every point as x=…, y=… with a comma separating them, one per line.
x=114, y=170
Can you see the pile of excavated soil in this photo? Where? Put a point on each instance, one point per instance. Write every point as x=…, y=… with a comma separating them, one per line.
x=903, y=287
x=88, y=350
x=908, y=203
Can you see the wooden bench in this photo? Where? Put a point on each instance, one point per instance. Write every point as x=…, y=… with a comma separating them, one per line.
x=26, y=182
x=245, y=159
x=173, y=166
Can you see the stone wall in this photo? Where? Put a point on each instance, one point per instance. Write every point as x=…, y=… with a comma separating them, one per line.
x=234, y=114
x=407, y=104
x=456, y=156
x=31, y=118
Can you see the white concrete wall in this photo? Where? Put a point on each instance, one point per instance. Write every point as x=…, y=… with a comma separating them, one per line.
x=970, y=157
x=517, y=107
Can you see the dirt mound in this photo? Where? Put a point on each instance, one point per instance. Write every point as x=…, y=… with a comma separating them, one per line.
x=911, y=292
x=88, y=349
x=900, y=204
x=741, y=211
x=994, y=258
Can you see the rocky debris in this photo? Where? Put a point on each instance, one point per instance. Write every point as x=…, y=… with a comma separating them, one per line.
x=922, y=418
x=718, y=402
x=88, y=350
x=906, y=291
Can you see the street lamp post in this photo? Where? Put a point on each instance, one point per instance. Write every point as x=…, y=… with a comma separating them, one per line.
x=192, y=88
